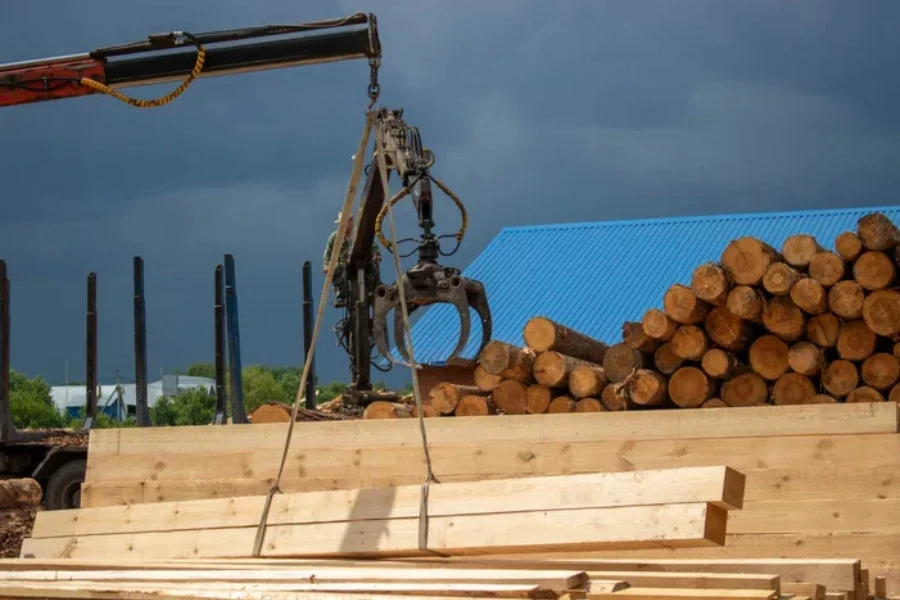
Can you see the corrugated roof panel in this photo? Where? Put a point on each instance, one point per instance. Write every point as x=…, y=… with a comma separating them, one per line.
x=595, y=276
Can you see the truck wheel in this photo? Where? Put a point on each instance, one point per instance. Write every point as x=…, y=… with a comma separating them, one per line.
x=64, y=488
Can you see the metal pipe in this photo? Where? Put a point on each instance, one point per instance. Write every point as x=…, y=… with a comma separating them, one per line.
x=238, y=414
x=142, y=409
x=7, y=430
x=221, y=416
x=307, y=335
x=90, y=417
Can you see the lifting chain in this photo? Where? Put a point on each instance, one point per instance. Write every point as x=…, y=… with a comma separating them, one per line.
x=374, y=87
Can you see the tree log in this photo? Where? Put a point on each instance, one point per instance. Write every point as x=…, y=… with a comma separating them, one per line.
x=587, y=381
x=780, y=278
x=822, y=330
x=727, y=330
x=589, y=405
x=845, y=299
x=689, y=387
x=484, y=381
x=798, y=250
x=881, y=312
x=746, y=302
x=881, y=371
x=895, y=394
x=561, y=404
x=865, y=394
x=769, y=357
x=689, y=342
x=827, y=268
x=793, y=388
x=810, y=296
x=658, y=325
x=714, y=403
x=614, y=397
x=508, y=361
x=747, y=389
x=897, y=350
x=633, y=335
x=381, y=409
x=445, y=396
x=538, y=398
x=783, y=318
x=553, y=368
x=511, y=397
x=806, y=358
x=848, y=246
x=543, y=335
x=840, y=378
x=647, y=388
x=428, y=411
x=746, y=260
x=474, y=406
x=665, y=359
x=874, y=270
x=621, y=361
x=718, y=363
x=855, y=340
x=822, y=399
x=20, y=493
x=710, y=283
x=877, y=232
x=683, y=306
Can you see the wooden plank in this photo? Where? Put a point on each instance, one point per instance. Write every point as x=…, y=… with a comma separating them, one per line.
x=721, y=486
x=353, y=469
x=614, y=528
x=640, y=593
x=692, y=580
x=821, y=517
x=813, y=591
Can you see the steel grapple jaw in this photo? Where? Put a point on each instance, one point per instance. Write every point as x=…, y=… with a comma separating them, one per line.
x=424, y=285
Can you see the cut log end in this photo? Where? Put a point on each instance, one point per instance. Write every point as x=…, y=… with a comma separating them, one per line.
x=542, y=335
x=589, y=405
x=690, y=342
x=683, y=306
x=848, y=246
x=689, y=387
x=727, y=330
x=747, y=389
x=846, y=298
x=874, y=270
x=769, y=357
x=444, y=396
x=793, y=388
x=827, y=268
x=799, y=250
x=381, y=409
x=511, y=397
x=780, y=278
x=823, y=330
x=718, y=363
x=553, y=369
x=561, y=404
x=665, y=359
x=538, y=399
x=856, y=341
x=587, y=381
x=486, y=382
x=621, y=361
x=507, y=361
x=473, y=406
x=746, y=302
x=714, y=403
x=881, y=371
x=633, y=335
x=784, y=319
x=865, y=394
x=710, y=283
x=647, y=388
x=810, y=296
x=877, y=232
x=806, y=358
x=658, y=325
x=840, y=378
x=881, y=312
x=747, y=259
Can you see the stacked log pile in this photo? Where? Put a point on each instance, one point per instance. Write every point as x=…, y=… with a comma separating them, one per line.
x=795, y=325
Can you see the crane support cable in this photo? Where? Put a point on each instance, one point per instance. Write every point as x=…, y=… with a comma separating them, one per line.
x=352, y=187
x=423, y=505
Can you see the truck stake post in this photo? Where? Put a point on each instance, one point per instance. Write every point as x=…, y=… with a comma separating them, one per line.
x=142, y=409
x=90, y=417
x=221, y=416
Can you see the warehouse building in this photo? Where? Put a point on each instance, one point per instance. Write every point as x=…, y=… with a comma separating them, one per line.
x=595, y=276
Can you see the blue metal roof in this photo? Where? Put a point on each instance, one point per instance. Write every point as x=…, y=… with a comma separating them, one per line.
x=595, y=276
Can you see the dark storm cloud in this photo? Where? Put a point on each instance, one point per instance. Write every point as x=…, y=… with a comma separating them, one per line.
x=538, y=112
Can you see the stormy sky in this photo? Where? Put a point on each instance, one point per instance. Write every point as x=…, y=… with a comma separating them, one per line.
x=538, y=112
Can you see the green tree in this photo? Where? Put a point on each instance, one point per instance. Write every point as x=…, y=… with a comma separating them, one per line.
x=30, y=403
x=260, y=387
x=193, y=406
x=207, y=370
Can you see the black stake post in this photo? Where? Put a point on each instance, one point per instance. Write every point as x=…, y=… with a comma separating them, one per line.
x=142, y=409
x=221, y=416
x=7, y=430
x=238, y=413
x=90, y=417
x=307, y=335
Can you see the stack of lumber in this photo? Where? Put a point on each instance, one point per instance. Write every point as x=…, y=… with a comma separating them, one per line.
x=795, y=325
x=437, y=578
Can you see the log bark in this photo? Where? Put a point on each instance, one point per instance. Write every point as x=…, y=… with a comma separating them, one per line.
x=511, y=397
x=381, y=409
x=840, y=378
x=561, y=404
x=553, y=368
x=881, y=312
x=683, y=306
x=848, y=246
x=806, y=358
x=690, y=342
x=544, y=335
x=647, y=388
x=710, y=283
x=621, y=361
x=508, y=361
x=587, y=381
x=746, y=260
x=271, y=412
x=727, y=330
x=689, y=387
x=474, y=406
x=827, y=268
x=614, y=397
x=810, y=296
x=877, y=232
x=897, y=350
x=865, y=394
x=874, y=271
x=747, y=389
x=444, y=396
x=665, y=359
x=881, y=371
x=798, y=250
x=769, y=357
x=780, y=278
x=856, y=341
x=845, y=299
x=783, y=318
x=822, y=330
x=895, y=394
x=633, y=335
x=718, y=363
x=746, y=302
x=714, y=403
x=589, y=405
x=20, y=493
x=793, y=388
x=822, y=399
x=538, y=398
x=484, y=381
x=658, y=325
